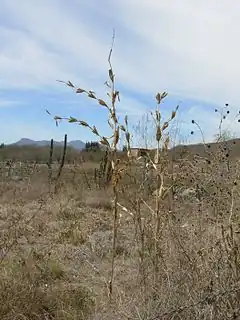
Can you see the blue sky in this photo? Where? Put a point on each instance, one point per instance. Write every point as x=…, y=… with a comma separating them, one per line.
x=187, y=48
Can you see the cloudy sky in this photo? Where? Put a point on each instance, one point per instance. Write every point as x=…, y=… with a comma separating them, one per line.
x=188, y=48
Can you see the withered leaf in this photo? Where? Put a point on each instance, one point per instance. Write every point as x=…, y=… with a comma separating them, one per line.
x=158, y=98
x=69, y=83
x=79, y=90
x=173, y=115
x=127, y=135
x=57, y=118
x=102, y=102
x=158, y=134
x=104, y=141
x=122, y=128
x=83, y=123
x=164, y=94
x=165, y=125
x=118, y=95
x=158, y=115
x=71, y=120
x=111, y=76
x=116, y=135
x=94, y=130
x=91, y=95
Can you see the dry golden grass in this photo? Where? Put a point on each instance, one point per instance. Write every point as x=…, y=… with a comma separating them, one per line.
x=56, y=249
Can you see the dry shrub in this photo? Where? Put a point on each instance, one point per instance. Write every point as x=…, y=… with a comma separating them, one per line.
x=28, y=294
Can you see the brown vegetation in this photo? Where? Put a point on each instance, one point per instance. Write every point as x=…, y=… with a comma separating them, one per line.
x=56, y=248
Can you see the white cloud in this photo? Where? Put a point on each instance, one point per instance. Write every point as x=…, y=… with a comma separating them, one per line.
x=8, y=103
x=47, y=44
x=188, y=46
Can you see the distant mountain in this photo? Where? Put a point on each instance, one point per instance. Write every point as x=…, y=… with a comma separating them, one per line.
x=76, y=144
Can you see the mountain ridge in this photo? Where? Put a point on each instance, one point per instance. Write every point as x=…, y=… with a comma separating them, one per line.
x=76, y=144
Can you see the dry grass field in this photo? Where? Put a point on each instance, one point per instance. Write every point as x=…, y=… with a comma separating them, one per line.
x=56, y=245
